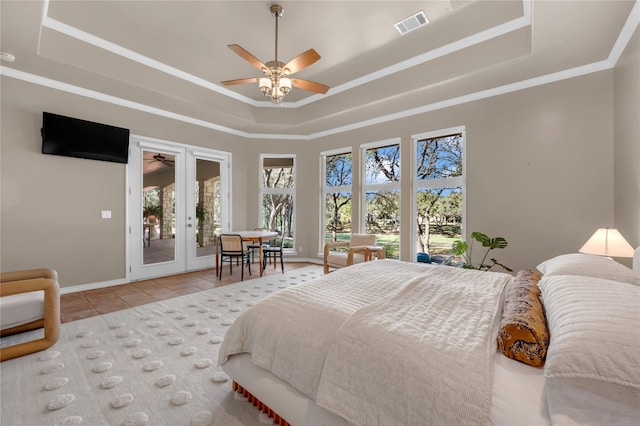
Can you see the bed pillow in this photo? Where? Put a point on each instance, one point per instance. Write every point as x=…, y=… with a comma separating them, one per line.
x=588, y=265
x=594, y=326
x=523, y=333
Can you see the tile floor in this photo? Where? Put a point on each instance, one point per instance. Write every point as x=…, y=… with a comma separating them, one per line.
x=85, y=304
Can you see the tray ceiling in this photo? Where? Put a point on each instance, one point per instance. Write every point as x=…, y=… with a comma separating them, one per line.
x=169, y=57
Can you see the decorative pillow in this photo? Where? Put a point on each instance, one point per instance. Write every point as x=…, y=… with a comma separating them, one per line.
x=595, y=333
x=523, y=334
x=588, y=265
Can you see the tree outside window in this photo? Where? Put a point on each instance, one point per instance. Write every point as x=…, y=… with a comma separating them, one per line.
x=439, y=183
x=277, y=195
x=337, y=195
x=381, y=195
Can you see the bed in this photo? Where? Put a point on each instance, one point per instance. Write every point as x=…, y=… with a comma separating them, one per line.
x=391, y=342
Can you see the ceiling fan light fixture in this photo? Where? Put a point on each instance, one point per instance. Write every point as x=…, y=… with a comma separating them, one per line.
x=265, y=86
x=285, y=85
x=276, y=82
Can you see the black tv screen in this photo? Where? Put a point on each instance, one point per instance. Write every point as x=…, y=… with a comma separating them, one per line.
x=72, y=137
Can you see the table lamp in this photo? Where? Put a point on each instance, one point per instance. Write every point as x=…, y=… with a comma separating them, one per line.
x=607, y=242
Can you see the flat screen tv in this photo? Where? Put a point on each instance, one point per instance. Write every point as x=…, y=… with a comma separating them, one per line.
x=72, y=137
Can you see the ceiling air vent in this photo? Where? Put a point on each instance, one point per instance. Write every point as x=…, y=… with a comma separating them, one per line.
x=411, y=23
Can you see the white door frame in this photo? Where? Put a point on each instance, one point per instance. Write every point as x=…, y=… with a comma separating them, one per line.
x=185, y=256
x=193, y=154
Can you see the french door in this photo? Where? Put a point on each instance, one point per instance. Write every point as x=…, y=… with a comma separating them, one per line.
x=178, y=202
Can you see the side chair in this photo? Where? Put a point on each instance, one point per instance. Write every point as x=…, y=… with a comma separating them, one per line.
x=232, y=248
x=273, y=250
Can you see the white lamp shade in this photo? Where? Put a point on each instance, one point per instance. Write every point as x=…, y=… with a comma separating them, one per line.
x=285, y=83
x=607, y=242
x=265, y=84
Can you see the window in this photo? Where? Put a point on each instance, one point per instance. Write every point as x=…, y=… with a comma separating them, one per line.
x=381, y=194
x=336, y=191
x=439, y=190
x=277, y=195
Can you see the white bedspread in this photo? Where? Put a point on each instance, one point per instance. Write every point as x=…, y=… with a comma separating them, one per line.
x=384, y=342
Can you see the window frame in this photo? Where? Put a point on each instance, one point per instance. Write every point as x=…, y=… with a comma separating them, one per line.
x=264, y=190
x=451, y=182
x=364, y=187
x=326, y=190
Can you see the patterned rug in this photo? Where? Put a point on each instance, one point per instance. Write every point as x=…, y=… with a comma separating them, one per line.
x=155, y=364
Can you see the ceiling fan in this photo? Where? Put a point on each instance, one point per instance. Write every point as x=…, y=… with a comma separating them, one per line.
x=277, y=82
x=161, y=158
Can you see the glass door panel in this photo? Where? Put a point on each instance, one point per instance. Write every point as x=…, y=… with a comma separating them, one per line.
x=206, y=207
x=177, y=205
x=156, y=209
x=159, y=195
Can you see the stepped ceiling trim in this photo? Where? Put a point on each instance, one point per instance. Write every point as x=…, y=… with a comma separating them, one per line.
x=630, y=25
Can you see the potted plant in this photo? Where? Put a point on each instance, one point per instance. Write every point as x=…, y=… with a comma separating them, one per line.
x=201, y=213
x=461, y=248
x=151, y=212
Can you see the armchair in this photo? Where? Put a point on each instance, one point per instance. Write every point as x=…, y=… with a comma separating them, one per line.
x=29, y=300
x=361, y=248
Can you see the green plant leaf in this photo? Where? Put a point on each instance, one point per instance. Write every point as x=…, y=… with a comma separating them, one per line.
x=482, y=238
x=497, y=242
x=458, y=248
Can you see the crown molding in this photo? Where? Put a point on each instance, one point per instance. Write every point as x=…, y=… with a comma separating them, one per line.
x=626, y=33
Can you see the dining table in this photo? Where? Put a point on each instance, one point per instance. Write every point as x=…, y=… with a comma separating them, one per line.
x=249, y=236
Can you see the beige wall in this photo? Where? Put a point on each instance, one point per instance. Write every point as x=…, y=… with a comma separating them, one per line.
x=539, y=173
x=50, y=205
x=627, y=142
x=539, y=165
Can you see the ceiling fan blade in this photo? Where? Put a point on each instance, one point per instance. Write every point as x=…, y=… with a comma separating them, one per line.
x=247, y=56
x=302, y=61
x=241, y=81
x=311, y=86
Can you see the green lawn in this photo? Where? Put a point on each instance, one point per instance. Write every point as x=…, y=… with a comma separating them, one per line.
x=439, y=243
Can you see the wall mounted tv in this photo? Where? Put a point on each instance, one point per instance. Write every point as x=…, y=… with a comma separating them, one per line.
x=72, y=137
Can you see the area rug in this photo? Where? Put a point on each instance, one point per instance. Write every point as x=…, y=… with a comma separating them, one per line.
x=155, y=364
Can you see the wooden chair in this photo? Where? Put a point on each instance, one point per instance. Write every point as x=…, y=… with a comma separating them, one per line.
x=232, y=247
x=273, y=251
x=361, y=248
x=29, y=300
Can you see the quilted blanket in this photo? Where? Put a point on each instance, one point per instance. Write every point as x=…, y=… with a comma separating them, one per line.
x=382, y=342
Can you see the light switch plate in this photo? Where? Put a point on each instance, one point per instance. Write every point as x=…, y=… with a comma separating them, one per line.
x=106, y=214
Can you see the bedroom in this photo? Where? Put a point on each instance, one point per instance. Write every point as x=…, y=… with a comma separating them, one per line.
x=560, y=158
x=552, y=151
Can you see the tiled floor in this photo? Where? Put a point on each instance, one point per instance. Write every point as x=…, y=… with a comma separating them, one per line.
x=85, y=304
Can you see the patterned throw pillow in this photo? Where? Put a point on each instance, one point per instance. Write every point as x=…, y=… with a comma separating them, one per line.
x=523, y=333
